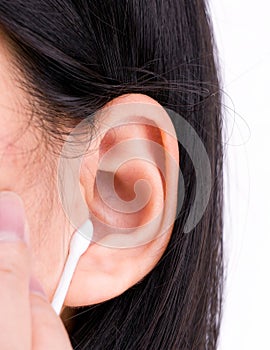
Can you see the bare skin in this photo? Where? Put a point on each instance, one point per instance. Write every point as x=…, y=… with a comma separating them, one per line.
x=29, y=169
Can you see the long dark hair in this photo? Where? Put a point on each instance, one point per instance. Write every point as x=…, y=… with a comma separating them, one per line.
x=79, y=54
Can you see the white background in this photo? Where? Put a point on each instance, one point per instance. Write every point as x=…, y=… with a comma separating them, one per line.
x=242, y=29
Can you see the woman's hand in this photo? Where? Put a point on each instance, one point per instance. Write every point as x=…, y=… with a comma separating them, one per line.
x=27, y=320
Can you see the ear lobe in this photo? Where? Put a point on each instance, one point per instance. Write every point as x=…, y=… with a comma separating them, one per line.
x=130, y=183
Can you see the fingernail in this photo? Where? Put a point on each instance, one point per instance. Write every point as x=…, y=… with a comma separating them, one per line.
x=36, y=288
x=12, y=217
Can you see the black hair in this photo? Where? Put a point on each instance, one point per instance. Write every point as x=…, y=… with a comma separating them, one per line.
x=77, y=55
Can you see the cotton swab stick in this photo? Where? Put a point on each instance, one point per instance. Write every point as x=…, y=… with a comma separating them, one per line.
x=79, y=243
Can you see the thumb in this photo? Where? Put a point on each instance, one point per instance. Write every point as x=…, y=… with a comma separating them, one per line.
x=15, y=317
x=48, y=331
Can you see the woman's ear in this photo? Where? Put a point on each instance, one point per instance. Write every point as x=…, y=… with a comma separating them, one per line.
x=129, y=177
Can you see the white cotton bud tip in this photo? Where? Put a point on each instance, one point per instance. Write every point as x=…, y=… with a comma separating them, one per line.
x=86, y=230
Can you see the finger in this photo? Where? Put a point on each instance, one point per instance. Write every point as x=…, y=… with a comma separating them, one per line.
x=48, y=331
x=15, y=316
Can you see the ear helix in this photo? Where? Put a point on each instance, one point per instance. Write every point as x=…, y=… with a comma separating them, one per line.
x=79, y=243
